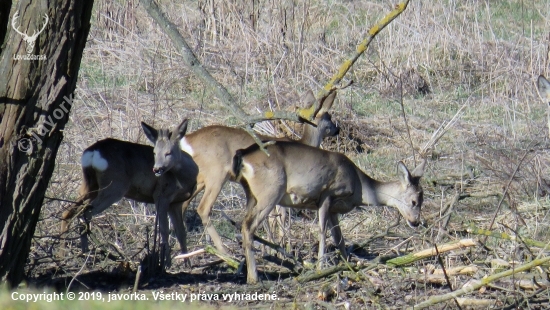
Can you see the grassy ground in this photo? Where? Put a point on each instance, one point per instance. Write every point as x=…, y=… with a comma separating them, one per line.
x=466, y=69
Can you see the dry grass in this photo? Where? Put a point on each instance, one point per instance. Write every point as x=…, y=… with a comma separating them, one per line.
x=483, y=56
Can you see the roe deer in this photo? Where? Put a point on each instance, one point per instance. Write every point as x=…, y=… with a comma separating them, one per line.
x=544, y=91
x=213, y=148
x=164, y=175
x=303, y=177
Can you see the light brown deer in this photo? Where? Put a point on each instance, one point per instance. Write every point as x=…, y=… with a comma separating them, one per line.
x=213, y=148
x=163, y=175
x=544, y=91
x=303, y=177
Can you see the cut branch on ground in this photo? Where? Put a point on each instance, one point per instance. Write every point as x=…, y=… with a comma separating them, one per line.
x=474, y=285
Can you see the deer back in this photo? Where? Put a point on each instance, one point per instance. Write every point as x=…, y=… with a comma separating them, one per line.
x=112, y=159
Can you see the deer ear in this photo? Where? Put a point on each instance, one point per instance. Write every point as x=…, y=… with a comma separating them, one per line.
x=326, y=103
x=151, y=133
x=181, y=130
x=419, y=170
x=404, y=174
x=307, y=99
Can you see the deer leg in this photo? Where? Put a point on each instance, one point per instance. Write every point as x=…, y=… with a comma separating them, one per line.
x=66, y=217
x=275, y=224
x=177, y=212
x=177, y=216
x=271, y=225
x=205, y=208
x=185, y=205
x=105, y=198
x=84, y=230
x=164, y=228
x=323, y=220
x=334, y=227
x=284, y=214
x=254, y=216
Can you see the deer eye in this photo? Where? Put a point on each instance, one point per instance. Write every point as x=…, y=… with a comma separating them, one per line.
x=168, y=154
x=414, y=203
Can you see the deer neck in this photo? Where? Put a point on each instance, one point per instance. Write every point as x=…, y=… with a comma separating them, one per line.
x=184, y=168
x=311, y=136
x=377, y=193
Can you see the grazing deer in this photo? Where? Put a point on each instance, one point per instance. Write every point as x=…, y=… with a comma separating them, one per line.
x=164, y=175
x=544, y=91
x=213, y=148
x=303, y=177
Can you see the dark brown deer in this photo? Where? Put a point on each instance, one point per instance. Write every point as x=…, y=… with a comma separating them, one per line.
x=163, y=175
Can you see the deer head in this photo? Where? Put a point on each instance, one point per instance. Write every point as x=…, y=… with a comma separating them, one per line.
x=167, y=151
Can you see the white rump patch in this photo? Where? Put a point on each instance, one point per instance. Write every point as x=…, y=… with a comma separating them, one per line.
x=186, y=147
x=94, y=159
x=247, y=170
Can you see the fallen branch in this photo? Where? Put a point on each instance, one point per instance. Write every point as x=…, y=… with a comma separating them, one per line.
x=228, y=259
x=438, y=276
x=319, y=274
x=472, y=286
x=211, y=250
x=484, y=232
x=407, y=259
x=472, y=302
x=458, y=270
x=432, y=279
x=190, y=254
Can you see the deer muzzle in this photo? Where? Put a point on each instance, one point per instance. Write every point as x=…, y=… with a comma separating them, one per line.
x=158, y=171
x=413, y=224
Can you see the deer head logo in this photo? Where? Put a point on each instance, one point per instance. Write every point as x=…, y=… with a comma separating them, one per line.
x=29, y=39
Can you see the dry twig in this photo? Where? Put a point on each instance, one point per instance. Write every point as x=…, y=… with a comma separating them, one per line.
x=478, y=284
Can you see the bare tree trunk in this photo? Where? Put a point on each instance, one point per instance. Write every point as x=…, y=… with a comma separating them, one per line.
x=36, y=86
x=5, y=7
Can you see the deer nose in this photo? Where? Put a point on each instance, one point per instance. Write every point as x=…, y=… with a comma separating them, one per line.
x=337, y=131
x=158, y=171
x=413, y=224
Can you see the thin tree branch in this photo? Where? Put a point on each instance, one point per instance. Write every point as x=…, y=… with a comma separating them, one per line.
x=361, y=48
x=191, y=60
x=221, y=92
